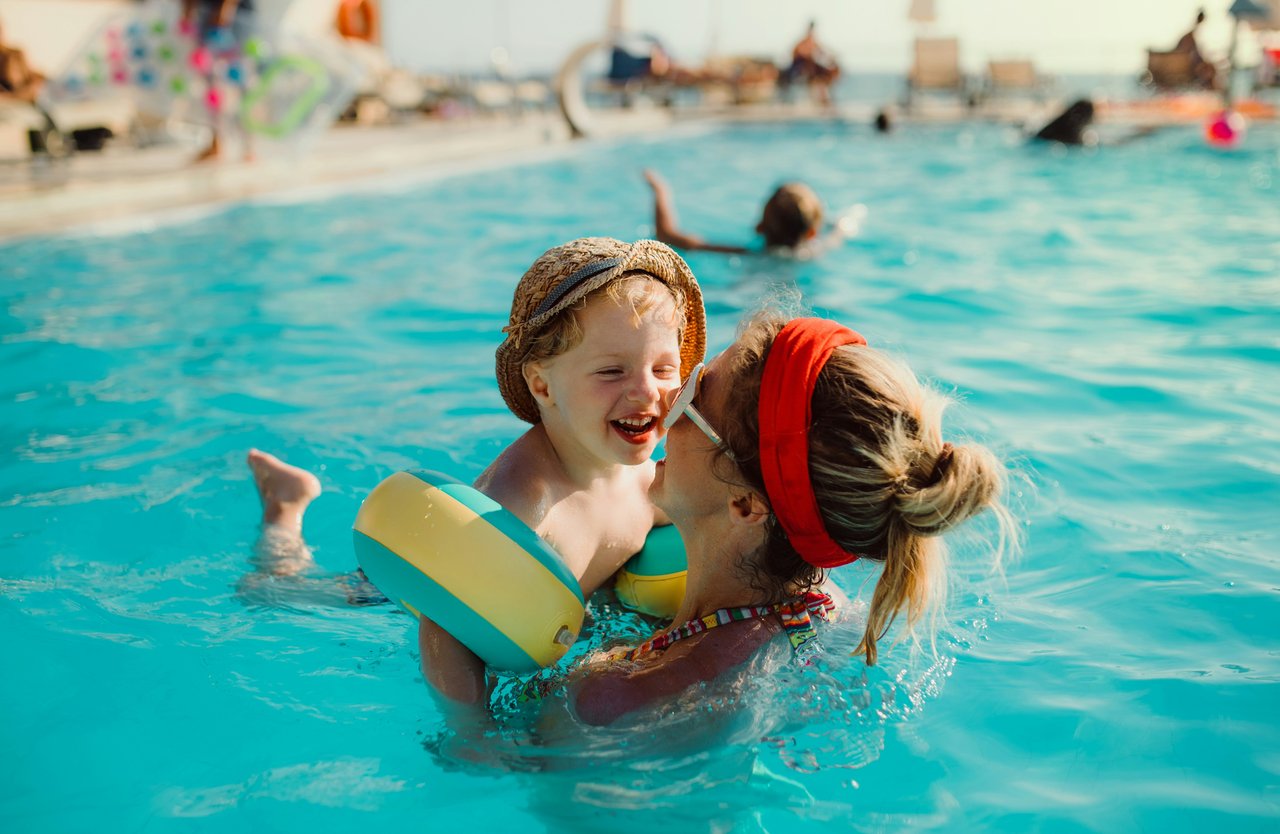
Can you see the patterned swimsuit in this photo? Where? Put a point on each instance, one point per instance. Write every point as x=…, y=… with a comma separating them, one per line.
x=794, y=614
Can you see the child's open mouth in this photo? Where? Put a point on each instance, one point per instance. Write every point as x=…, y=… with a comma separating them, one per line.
x=635, y=429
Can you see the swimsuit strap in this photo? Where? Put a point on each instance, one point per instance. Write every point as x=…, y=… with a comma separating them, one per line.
x=796, y=622
x=794, y=614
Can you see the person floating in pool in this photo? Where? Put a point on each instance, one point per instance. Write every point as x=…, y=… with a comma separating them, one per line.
x=791, y=222
x=1074, y=126
x=803, y=450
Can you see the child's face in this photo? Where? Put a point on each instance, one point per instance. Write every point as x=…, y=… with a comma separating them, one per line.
x=607, y=393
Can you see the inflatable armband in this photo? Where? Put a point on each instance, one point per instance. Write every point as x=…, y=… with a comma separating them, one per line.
x=652, y=581
x=443, y=549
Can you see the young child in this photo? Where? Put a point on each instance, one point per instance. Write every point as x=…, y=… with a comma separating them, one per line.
x=791, y=222
x=600, y=335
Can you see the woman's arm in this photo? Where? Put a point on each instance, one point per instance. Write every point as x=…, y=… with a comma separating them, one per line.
x=601, y=693
x=664, y=222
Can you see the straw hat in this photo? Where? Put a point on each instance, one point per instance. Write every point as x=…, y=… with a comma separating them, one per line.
x=564, y=275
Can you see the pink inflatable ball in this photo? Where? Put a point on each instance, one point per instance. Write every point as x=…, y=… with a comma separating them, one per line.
x=201, y=60
x=1226, y=129
x=186, y=27
x=213, y=100
x=120, y=76
x=113, y=35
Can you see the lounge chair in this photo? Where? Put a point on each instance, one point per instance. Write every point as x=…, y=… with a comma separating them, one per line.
x=1013, y=77
x=935, y=68
x=1169, y=70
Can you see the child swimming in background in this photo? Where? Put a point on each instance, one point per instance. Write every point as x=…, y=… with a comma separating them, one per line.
x=601, y=334
x=790, y=223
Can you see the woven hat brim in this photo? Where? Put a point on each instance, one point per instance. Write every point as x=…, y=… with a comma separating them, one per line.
x=649, y=256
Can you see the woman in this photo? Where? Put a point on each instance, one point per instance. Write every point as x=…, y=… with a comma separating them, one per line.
x=797, y=450
x=802, y=450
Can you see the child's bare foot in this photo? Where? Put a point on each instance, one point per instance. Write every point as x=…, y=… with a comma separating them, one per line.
x=285, y=490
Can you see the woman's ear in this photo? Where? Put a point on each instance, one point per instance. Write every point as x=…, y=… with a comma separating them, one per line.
x=748, y=508
x=535, y=376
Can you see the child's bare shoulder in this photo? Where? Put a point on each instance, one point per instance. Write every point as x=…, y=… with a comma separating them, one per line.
x=524, y=479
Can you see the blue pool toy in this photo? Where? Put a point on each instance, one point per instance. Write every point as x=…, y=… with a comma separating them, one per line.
x=444, y=549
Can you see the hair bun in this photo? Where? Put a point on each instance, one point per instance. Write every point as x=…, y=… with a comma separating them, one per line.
x=941, y=465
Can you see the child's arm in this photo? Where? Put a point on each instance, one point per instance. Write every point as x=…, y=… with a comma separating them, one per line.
x=453, y=671
x=664, y=222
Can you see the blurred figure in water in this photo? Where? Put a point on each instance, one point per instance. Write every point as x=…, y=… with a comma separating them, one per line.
x=792, y=222
x=1072, y=126
x=883, y=122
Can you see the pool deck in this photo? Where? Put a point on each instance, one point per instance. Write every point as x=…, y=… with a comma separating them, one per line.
x=126, y=184
x=87, y=191
x=122, y=182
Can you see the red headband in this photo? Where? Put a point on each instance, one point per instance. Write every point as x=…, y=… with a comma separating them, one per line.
x=791, y=370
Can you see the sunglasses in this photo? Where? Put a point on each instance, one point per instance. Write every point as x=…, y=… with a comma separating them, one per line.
x=682, y=406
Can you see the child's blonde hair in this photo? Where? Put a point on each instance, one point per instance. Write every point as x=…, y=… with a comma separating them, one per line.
x=637, y=290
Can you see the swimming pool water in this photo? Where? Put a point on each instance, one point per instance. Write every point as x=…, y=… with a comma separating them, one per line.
x=1109, y=320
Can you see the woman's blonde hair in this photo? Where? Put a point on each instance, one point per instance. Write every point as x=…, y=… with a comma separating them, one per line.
x=638, y=290
x=886, y=484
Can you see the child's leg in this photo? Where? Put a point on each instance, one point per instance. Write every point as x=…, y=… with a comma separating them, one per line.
x=281, y=558
x=285, y=492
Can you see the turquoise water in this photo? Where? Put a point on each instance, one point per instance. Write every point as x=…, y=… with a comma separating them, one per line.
x=1108, y=320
